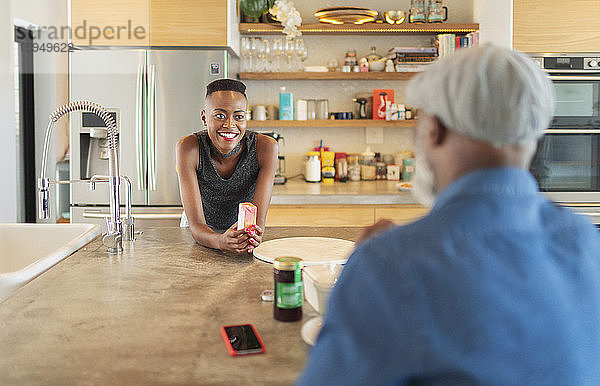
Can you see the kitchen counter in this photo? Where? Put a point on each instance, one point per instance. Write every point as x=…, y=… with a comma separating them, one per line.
x=151, y=315
x=298, y=192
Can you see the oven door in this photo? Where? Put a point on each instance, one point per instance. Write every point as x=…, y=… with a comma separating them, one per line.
x=566, y=165
x=577, y=100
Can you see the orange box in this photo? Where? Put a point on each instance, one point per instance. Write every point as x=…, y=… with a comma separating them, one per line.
x=380, y=96
x=246, y=215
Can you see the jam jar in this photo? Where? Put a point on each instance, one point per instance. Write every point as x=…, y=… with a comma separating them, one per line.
x=288, y=296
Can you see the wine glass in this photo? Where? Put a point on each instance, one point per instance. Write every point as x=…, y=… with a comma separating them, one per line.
x=253, y=52
x=289, y=48
x=245, y=53
x=301, y=53
x=260, y=55
x=268, y=55
x=277, y=52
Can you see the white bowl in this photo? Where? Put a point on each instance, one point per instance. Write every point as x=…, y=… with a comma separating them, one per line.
x=377, y=65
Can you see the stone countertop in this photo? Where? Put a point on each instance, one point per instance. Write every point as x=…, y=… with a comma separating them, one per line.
x=298, y=192
x=150, y=315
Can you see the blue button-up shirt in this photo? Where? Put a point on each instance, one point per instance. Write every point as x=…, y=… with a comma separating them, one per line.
x=495, y=285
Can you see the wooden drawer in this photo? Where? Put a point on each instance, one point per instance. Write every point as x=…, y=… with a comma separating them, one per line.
x=400, y=214
x=320, y=215
x=341, y=215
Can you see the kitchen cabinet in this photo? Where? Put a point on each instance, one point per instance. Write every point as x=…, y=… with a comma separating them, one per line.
x=109, y=16
x=341, y=215
x=556, y=26
x=155, y=23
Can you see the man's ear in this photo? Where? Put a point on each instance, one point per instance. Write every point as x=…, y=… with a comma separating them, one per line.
x=438, y=133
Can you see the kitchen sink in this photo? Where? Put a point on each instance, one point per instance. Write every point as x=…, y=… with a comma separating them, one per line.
x=27, y=250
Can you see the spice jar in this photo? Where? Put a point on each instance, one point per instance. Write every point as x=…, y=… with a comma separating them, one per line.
x=288, y=297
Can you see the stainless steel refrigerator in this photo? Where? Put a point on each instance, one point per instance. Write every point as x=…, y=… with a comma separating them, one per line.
x=156, y=97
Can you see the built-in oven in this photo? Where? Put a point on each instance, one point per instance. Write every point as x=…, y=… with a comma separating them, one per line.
x=567, y=162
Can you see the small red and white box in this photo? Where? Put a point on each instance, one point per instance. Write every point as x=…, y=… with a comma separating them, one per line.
x=246, y=215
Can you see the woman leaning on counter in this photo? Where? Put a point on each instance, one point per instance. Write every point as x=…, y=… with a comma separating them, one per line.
x=222, y=166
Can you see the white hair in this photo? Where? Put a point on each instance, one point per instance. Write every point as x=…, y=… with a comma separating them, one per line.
x=489, y=93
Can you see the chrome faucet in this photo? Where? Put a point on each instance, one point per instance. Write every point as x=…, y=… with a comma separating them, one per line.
x=128, y=221
x=114, y=236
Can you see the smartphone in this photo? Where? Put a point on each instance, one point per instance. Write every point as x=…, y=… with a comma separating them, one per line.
x=242, y=340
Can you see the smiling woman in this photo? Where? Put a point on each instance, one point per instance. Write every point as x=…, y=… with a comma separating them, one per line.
x=222, y=166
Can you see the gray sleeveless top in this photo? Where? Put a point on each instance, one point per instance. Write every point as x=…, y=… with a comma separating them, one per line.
x=220, y=196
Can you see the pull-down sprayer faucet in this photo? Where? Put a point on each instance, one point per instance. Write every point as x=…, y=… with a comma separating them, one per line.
x=114, y=236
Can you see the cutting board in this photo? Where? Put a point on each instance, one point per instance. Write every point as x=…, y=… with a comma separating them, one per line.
x=312, y=250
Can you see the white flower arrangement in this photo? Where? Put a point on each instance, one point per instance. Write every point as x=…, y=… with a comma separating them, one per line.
x=288, y=15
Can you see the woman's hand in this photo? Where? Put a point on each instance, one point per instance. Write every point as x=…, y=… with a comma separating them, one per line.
x=255, y=234
x=234, y=240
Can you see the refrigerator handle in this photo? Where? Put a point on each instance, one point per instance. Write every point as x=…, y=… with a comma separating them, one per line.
x=152, y=129
x=139, y=126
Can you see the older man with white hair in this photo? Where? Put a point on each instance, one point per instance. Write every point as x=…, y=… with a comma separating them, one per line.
x=496, y=285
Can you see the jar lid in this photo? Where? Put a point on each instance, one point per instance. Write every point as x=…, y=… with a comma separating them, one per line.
x=287, y=263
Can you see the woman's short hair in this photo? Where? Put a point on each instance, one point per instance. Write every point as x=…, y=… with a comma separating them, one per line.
x=226, y=85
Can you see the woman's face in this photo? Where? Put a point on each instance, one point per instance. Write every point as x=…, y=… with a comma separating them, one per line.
x=224, y=115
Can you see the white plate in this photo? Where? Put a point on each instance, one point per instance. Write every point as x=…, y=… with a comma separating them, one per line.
x=310, y=330
x=312, y=250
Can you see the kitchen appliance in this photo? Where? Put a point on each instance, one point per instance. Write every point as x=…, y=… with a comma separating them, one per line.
x=362, y=107
x=280, y=177
x=156, y=96
x=567, y=161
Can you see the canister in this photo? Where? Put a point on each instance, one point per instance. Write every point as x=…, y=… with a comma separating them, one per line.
x=408, y=168
x=288, y=296
x=301, y=110
x=393, y=172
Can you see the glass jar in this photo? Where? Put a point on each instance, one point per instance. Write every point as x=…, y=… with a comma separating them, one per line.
x=322, y=109
x=353, y=167
x=350, y=59
x=288, y=295
x=341, y=167
x=367, y=166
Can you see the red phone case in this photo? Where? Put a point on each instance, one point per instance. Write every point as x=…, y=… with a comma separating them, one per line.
x=230, y=347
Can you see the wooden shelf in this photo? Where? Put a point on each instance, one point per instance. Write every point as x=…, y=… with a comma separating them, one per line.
x=327, y=75
x=368, y=28
x=330, y=123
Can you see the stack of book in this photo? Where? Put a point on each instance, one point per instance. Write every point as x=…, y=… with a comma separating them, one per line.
x=448, y=43
x=412, y=59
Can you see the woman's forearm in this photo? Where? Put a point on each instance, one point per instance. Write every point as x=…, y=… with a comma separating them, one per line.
x=205, y=236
